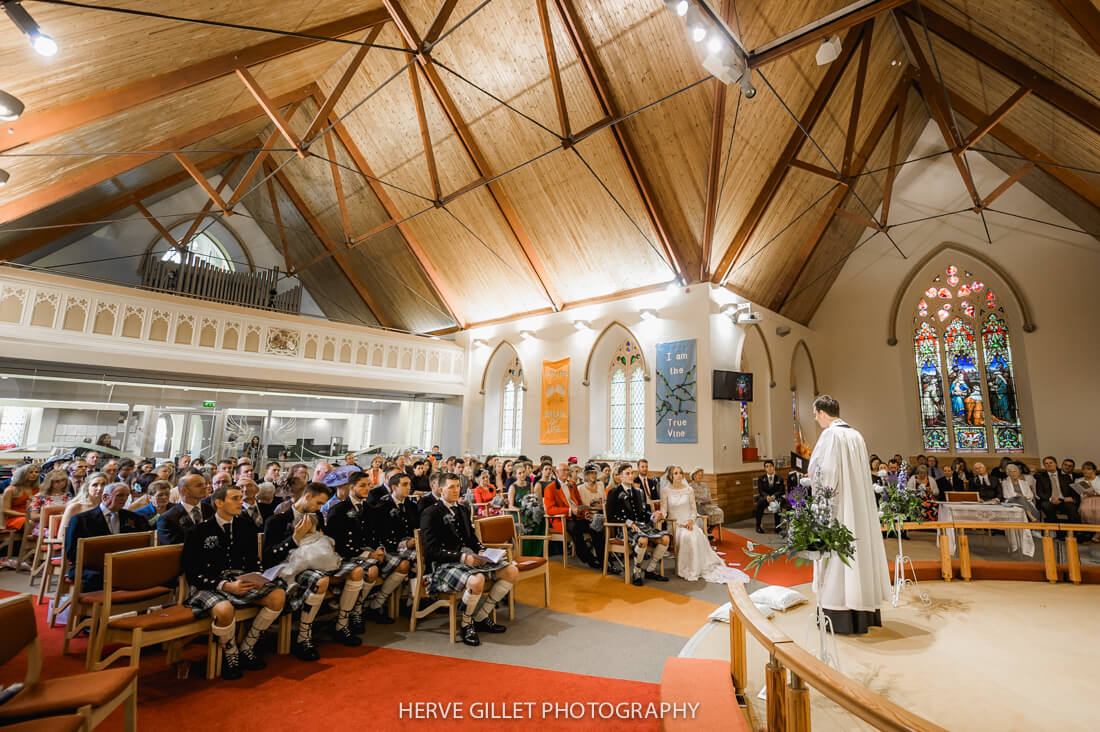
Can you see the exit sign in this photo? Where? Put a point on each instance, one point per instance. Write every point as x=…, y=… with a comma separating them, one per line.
x=208, y=404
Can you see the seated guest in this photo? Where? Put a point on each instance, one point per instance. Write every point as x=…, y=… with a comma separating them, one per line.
x=215, y=555
x=338, y=482
x=159, y=491
x=585, y=502
x=627, y=504
x=192, y=510
x=958, y=465
x=983, y=483
x=421, y=476
x=87, y=497
x=769, y=488
x=250, y=508
x=485, y=492
x=950, y=482
x=283, y=533
x=54, y=492
x=393, y=518
x=649, y=484
x=921, y=481
x=935, y=472
x=265, y=500
x=423, y=502
x=452, y=552
x=348, y=525
x=271, y=473
x=1088, y=486
x=243, y=472
x=78, y=472
x=999, y=473
x=554, y=502
x=1055, y=492
x=704, y=503
x=1069, y=467
x=17, y=496
x=109, y=517
x=1015, y=490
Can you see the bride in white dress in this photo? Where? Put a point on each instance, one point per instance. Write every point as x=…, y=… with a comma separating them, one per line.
x=694, y=557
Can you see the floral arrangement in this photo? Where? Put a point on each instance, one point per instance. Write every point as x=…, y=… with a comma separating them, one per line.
x=811, y=525
x=898, y=503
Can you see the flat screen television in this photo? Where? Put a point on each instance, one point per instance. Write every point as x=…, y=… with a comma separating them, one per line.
x=733, y=385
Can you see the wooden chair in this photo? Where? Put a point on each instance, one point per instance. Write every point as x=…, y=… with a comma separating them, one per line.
x=562, y=536
x=94, y=696
x=60, y=723
x=53, y=557
x=615, y=545
x=448, y=600
x=47, y=543
x=136, y=570
x=90, y=554
x=501, y=532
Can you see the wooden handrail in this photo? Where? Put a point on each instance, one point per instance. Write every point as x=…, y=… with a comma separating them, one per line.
x=872, y=708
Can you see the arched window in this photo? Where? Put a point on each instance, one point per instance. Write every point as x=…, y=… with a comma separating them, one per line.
x=626, y=402
x=511, y=409
x=203, y=247
x=968, y=389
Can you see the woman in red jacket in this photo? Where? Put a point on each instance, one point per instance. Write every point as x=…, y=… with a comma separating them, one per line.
x=485, y=492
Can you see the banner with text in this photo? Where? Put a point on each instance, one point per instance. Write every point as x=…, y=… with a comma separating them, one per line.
x=554, y=414
x=676, y=392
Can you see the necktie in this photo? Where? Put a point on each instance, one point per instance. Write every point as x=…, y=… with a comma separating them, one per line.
x=196, y=516
x=112, y=522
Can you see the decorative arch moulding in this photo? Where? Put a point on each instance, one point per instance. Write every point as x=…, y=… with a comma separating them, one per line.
x=1027, y=322
x=595, y=343
x=767, y=351
x=810, y=359
x=489, y=362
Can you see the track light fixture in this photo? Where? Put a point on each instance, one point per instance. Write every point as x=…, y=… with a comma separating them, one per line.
x=527, y=335
x=582, y=325
x=829, y=50
x=40, y=42
x=647, y=314
x=723, y=58
x=10, y=107
x=680, y=7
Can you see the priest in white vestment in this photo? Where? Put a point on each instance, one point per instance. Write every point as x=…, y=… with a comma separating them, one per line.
x=851, y=594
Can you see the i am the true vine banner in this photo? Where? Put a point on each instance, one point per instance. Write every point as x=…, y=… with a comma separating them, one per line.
x=677, y=386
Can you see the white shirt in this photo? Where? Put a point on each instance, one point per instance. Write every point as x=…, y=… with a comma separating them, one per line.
x=190, y=509
x=112, y=519
x=1021, y=488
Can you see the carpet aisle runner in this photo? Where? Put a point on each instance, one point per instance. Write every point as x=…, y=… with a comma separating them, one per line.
x=349, y=688
x=785, y=573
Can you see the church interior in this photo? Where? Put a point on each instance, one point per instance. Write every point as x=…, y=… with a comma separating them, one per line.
x=482, y=364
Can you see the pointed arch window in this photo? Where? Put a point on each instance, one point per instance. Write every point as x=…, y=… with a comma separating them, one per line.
x=511, y=409
x=964, y=368
x=626, y=402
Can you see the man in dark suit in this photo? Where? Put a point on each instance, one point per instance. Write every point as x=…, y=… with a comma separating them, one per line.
x=626, y=504
x=216, y=553
x=648, y=483
x=192, y=510
x=109, y=517
x=769, y=487
x=983, y=482
x=452, y=552
x=951, y=481
x=1056, y=494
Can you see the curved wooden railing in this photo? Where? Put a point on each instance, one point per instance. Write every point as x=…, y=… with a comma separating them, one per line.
x=792, y=670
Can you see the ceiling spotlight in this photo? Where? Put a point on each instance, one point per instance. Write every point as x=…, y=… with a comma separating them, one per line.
x=680, y=7
x=41, y=42
x=732, y=309
x=714, y=43
x=582, y=325
x=696, y=27
x=480, y=343
x=10, y=107
x=647, y=314
x=828, y=51
x=526, y=334
x=4, y=175
x=747, y=88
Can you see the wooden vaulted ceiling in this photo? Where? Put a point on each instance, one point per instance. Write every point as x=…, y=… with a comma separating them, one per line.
x=421, y=209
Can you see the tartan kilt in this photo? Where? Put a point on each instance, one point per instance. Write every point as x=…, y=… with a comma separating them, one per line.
x=202, y=601
x=452, y=577
x=347, y=565
x=305, y=584
x=393, y=559
x=648, y=531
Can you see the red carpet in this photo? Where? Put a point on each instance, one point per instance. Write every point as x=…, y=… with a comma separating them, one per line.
x=359, y=688
x=772, y=573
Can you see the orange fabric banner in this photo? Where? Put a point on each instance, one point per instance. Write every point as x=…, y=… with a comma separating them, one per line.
x=554, y=414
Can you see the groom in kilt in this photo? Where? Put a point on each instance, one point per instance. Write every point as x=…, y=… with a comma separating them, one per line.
x=393, y=518
x=451, y=550
x=215, y=554
x=627, y=504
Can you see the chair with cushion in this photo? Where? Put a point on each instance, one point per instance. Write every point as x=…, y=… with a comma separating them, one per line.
x=562, y=536
x=52, y=556
x=448, y=600
x=93, y=696
x=136, y=570
x=62, y=723
x=90, y=554
x=47, y=544
x=501, y=532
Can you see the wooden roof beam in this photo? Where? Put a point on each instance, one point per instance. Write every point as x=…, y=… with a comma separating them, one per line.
x=794, y=143
x=555, y=70
x=714, y=160
x=338, y=185
x=439, y=23
x=857, y=101
x=994, y=118
x=338, y=90
x=425, y=133
x=158, y=226
x=272, y=109
x=89, y=215
x=33, y=127
x=1044, y=87
x=473, y=151
x=431, y=274
x=213, y=193
x=278, y=222
x=186, y=240
x=1084, y=16
x=685, y=264
x=339, y=256
x=257, y=162
x=820, y=29
x=892, y=170
x=119, y=164
x=1006, y=184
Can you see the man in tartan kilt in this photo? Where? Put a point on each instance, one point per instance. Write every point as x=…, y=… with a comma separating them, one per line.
x=451, y=550
x=282, y=534
x=626, y=504
x=215, y=554
x=393, y=517
x=348, y=526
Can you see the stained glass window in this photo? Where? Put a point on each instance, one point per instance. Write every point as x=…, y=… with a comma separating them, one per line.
x=511, y=409
x=967, y=394
x=745, y=424
x=626, y=392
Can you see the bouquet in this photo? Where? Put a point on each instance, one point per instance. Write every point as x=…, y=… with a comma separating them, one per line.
x=898, y=502
x=812, y=526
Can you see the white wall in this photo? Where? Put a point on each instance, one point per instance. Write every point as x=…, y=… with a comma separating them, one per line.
x=1057, y=270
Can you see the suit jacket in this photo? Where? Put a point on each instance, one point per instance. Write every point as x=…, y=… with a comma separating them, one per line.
x=348, y=526
x=1044, y=490
x=946, y=484
x=627, y=504
x=389, y=523
x=266, y=509
x=555, y=503
x=651, y=485
x=425, y=502
x=209, y=557
x=93, y=523
x=279, y=536
x=792, y=479
x=987, y=487
x=445, y=532
x=174, y=526
x=766, y=492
